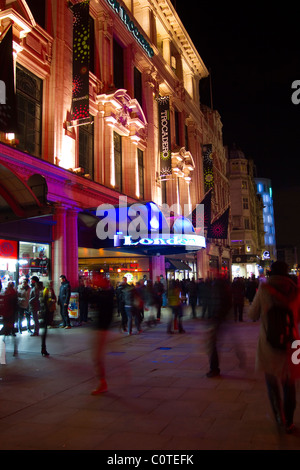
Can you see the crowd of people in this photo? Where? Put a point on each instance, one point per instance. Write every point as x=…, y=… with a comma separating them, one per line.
x=34, y=303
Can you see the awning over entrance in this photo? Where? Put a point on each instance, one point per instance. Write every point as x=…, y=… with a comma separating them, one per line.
x=176, y=265
x=20, y=200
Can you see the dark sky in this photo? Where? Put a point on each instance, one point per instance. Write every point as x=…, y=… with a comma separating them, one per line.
x=254, y=56
x=253, y=53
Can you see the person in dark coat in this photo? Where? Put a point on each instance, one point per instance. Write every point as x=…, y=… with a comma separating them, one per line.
x=84, y=298
x=238, y=298
x=220, y=307
x=158, y=292
x=63, y=301
x=103, y=299
x=251, y=288
x=193, y=296
x=281, y=373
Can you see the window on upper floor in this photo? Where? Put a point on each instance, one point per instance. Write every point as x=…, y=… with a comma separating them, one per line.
x=86, y=148
x=236, y=222
x=140, y=156
x=38, y=9
x=29, y=92
x=186, y=137
x=177, y=128
x=247, y=224
x=138, y=86
x=245, y=203
x=118, y=161
x=244, y=184
x=118, y=64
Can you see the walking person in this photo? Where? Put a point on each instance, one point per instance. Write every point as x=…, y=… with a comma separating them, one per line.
x=103, y=298
x=158, y=293
x=23, y=305
x=193, y=296
x=63, y=301
x=238, y=298
x=174, y=301
x=44, y=316
x=50, y=299
x=84, y=298
x=220, y=307
x=121, y=304
x=280, y=372
x=34, y=304
x=9, y=309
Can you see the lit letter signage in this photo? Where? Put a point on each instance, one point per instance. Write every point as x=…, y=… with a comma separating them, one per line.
x=131, y=26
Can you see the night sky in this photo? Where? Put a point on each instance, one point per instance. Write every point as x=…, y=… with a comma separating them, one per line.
x=253, y=54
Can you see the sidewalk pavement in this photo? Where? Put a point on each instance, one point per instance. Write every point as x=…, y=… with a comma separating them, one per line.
x=159, y=397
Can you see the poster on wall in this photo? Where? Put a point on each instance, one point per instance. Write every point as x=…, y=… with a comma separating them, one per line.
x=73, y=308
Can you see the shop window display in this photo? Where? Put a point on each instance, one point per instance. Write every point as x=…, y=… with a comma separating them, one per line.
x=34, y=260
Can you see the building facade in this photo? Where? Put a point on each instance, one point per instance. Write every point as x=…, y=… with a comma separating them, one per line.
x=264, y=189
x=246, y=209
x=69, y=157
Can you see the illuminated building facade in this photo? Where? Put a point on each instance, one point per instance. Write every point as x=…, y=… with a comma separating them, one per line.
x=246, y=209
x=76, y=150
x=264, y=189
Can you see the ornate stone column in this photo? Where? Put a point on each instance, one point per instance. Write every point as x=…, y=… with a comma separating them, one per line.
x=72, y=247
x=59, y=256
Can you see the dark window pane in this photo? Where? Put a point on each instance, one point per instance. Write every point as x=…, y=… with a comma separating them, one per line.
x=118, y=65
x=29, y=90
x=86, y=149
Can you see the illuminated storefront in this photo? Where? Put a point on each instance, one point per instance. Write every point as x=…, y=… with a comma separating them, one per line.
x=23, y=259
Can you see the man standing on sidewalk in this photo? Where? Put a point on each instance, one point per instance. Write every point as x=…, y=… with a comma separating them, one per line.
x=63, y=301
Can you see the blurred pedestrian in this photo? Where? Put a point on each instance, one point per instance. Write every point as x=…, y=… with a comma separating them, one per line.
x=164, y=296
x=150, y=304
x=63, y=301
x=103, y=299
x=34, y=304
x=175, y=303
x=251, y=288
x=158, y=292
x=220, y=308
x=280, y=372
x=206, y=298
x=140, y=300
x=121, y=304
x=193, y=296
x=10, y=305
x=50, y=300
x=129, y=296
x=84, y=292
x=238, y=298
x=23, y=304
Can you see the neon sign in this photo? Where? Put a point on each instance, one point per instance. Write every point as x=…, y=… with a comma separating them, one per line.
x=132, y=28
x=185, y=240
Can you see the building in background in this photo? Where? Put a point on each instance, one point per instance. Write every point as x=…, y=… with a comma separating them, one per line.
x=107, y=107
x=264, y=189
x=246, y=206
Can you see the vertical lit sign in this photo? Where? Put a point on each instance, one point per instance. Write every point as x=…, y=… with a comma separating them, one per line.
x=165, y=136
x=81, y=60
x=208, y=167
